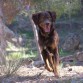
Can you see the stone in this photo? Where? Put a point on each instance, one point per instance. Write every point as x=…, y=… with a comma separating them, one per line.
x=71, y=42
x=20, y=24
x=79, y=56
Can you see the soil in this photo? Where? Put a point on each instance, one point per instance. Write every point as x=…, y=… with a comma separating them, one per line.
x=36, y=73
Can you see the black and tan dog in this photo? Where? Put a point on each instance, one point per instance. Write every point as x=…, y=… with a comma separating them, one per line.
x=48, y=39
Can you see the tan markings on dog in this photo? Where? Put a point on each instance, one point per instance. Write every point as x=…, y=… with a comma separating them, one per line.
x=48, y=66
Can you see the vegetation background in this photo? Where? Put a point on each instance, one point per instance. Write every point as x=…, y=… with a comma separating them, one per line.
x=16, y=17
x=69, y=14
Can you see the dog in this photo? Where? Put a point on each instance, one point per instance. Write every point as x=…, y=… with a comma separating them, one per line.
x=48, y=39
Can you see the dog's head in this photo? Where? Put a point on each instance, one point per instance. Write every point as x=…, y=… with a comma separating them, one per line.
x=44, y=20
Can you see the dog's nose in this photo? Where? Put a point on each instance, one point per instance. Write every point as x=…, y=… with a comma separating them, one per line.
x=47, y=24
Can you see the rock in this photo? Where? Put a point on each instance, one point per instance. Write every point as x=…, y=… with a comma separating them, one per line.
x=70, y=69
x=26, y=61
x=20, y=24
x=77, y=81
x=38, y=63
x=21, y=20
x=10, y=36
x=23, y=40
x=79, y=56
x=69, y=58
x=71, y=42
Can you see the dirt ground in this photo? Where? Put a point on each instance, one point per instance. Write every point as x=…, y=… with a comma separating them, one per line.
x=36, y=73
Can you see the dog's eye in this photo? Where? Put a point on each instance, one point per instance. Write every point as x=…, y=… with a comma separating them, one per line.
x=40, y=21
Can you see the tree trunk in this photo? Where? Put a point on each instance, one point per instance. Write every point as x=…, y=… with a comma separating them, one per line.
x=35, y=36
x=3, y=44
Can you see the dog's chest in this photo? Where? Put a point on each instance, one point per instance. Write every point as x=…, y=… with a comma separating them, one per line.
x=46, y=41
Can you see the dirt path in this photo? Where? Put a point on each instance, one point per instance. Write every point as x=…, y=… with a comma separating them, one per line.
x=35, y=74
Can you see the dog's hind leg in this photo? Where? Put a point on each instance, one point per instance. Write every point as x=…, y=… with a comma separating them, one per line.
x=56, y=62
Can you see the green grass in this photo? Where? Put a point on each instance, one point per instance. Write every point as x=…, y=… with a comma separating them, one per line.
x=15, y=55
x=30, y=45
x=28, y=51
x=19, y=55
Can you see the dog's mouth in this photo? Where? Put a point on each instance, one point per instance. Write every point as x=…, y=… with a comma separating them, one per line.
x=46, y=26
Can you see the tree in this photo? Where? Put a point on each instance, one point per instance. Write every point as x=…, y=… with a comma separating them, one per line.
x=14, y=6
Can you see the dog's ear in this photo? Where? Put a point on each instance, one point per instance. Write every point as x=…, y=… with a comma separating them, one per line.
x=35, y=18
x=53, y=15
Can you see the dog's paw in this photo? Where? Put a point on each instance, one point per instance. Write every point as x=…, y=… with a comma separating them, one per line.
x=49, y=69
